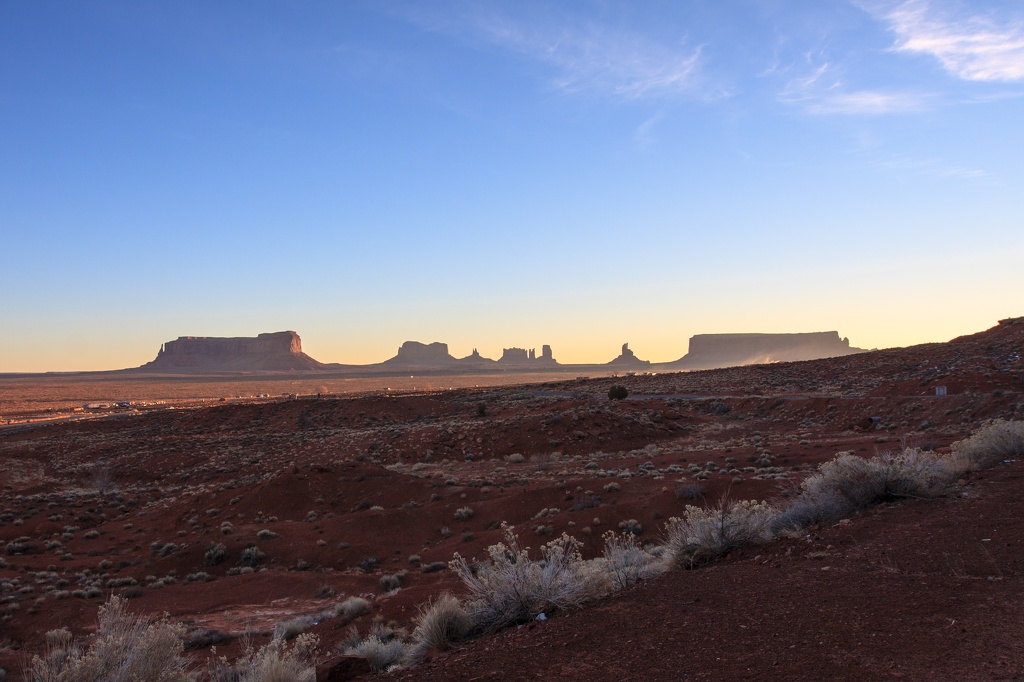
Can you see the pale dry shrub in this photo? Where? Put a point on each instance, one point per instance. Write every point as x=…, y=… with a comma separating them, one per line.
x=441, y=623
x=464, y=513
x=251, y=556
x=627, y=561
x=991, y=444
x=273, y=662
x=61, y=653
x=631, y=526
x=848, y=483
x=511, y=587
x=287, y=630
x=381, y=654
x=126, y=648
x=705, y=534
x=392, y=582
x=216, y=553
x=353, y=607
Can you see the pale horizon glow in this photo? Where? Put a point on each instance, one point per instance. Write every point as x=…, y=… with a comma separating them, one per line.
x=505, y=174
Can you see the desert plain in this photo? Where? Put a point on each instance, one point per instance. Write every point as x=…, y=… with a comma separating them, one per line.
x=362, y=491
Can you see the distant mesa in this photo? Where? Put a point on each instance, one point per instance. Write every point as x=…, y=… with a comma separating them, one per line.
x=416, y=354
x=435, y=356
x=629, y=359
x=282, y=352
x=273, y=352
x=709, y=351
x=523, y=357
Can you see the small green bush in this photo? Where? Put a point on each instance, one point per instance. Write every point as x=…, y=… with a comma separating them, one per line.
x=618, y=392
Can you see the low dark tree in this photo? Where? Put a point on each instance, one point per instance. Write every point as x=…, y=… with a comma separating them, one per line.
x=617, y=392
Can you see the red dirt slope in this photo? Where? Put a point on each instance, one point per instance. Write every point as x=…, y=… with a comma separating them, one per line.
x=926, y=590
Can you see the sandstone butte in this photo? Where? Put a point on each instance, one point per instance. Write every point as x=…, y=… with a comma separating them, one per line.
x=282, y=352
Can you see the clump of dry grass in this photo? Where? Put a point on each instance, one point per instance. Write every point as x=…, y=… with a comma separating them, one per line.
x=441, y=624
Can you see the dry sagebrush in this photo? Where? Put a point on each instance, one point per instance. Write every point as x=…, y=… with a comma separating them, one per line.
x=627, y=562
x=848, y=483
x=511, y=587
x=126, y=648
x=705, y=534
x=991, y=444
x=273, y=662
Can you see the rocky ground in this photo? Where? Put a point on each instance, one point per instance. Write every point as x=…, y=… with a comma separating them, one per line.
x=340, y=492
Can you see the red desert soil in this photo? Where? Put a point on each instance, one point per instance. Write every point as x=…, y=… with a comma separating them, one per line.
x=130, y=504
x=928, y=590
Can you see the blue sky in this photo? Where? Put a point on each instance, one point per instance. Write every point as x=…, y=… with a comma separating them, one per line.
x=495, y=174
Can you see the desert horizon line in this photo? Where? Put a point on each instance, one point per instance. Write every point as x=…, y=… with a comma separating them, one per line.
x=282, y=351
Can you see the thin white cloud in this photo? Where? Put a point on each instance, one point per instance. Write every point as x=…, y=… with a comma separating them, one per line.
x=867, y=102
x=586, y=57
x=934, y=167
x=643, y=136
x=822, y=91
x=973, y=47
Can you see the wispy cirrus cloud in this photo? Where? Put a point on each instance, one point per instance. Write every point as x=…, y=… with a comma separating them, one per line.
x=931, y=166
x=868, y=102
x=643, y=136
x=585, y=56
x=822, y=91
x=971, y=46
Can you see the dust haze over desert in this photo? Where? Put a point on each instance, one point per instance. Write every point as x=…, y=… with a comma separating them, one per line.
x=511, y=340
